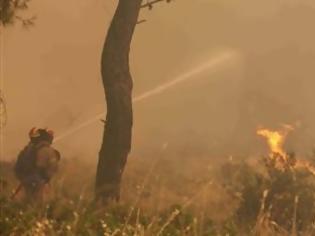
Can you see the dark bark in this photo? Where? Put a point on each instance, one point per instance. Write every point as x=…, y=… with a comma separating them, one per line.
x=117, y=83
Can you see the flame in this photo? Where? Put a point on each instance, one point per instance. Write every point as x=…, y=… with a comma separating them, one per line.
x=275, y=140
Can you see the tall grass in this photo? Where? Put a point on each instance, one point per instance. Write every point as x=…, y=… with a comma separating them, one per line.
x=187, y=196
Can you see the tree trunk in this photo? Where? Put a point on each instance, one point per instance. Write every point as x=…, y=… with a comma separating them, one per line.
x=117, y=83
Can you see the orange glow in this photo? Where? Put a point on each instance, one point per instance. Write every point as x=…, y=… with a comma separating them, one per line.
x=275, y=140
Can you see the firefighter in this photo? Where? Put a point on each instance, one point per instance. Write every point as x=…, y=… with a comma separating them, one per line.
x=36, y=164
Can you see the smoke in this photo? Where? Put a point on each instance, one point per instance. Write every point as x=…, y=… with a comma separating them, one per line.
x=52, y=76
x=213, y=64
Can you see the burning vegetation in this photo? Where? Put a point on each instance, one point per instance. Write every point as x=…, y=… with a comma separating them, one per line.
x=277, y=195
x=278, y=158
x=274, y=195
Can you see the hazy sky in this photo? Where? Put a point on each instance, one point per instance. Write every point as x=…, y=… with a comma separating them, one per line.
x=52, y=75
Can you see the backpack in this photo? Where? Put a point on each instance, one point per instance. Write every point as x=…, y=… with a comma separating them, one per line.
x=25, y=165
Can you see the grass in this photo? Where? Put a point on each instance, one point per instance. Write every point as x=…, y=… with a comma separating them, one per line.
x=187, y=196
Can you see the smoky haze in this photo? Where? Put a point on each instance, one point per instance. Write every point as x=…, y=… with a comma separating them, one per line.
x=52, y=75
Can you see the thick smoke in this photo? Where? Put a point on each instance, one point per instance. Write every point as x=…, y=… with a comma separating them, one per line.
x=52, y=75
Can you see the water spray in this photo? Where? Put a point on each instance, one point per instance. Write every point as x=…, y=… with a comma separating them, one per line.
x=210, y=64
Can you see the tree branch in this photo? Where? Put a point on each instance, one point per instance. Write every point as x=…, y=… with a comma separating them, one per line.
x=141, y=21
x=150, y=4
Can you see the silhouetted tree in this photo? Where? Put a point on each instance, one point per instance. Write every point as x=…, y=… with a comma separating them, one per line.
x=117, y=83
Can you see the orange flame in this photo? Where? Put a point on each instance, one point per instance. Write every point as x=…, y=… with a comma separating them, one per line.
x=275, y=140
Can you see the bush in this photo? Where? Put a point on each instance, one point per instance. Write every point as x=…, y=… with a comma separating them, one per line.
x=281, y=198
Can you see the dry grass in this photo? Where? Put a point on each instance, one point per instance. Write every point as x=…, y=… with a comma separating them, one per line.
x=185, y=196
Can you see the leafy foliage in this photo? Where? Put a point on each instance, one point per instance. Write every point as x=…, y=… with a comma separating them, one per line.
x=9, y=12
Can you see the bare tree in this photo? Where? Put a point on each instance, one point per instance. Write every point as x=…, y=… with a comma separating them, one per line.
x=117, y=83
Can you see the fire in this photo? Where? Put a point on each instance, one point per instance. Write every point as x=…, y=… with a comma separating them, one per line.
x=275, y=140
x=282, y=160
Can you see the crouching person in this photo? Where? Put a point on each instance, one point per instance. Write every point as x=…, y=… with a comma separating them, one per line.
x=36, y=165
